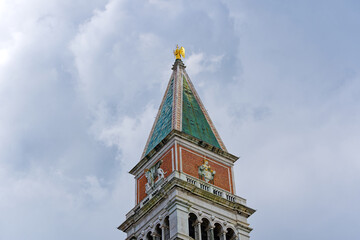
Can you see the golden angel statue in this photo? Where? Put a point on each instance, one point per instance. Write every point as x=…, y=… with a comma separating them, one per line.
x=179, y=52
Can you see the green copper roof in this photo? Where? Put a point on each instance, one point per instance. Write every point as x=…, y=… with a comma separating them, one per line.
x=182, y=110
x=163, y=124
x=193, y=119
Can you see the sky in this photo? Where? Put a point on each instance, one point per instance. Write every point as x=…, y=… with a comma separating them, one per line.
x=81, y=82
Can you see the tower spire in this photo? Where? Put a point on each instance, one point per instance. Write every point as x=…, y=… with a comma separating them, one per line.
x=185, y=187
x=181, y=109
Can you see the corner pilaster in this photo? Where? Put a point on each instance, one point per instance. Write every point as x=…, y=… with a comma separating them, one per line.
x=178, y=217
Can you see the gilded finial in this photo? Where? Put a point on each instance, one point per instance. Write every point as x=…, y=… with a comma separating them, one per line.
x=179, y=52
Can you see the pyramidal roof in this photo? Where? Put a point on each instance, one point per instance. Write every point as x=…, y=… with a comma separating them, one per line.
x=181, y=109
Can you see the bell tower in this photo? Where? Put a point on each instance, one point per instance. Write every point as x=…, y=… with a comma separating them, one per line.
x=184, y=182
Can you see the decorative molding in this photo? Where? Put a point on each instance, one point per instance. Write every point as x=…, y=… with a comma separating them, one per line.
x=225, y=156
x=175, y=183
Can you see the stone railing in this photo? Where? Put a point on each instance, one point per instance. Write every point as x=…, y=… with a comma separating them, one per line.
x=194, y=181
x=211, y=188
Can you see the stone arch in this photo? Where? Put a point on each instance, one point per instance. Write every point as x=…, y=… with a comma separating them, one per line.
x=156, y=232
x=149, y=236
x=193, y=229
x=195, y=213
x=218, y=231
x=218, y=221
x=152, y=226
x=205, y=227
x=160, y=220
x=155, y=223
x=230, y=234
x=230, y=226
x=166, y=227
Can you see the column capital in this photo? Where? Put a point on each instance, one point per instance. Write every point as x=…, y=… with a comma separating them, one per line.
x=209, y=228
x=198, y=221
x=155, y=234
x=163, y=226
x=223, y=230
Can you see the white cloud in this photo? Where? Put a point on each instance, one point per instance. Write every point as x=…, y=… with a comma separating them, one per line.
x=80, y=83
x=125, y=133
x=4, y=56
x=200, y=62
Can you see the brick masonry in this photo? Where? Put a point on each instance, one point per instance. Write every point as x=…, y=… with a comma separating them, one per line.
x=191, y=161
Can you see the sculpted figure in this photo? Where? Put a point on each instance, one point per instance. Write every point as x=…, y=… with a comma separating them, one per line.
x=151, y=174
x=147, y=187
x=205, y=172
x=179, y=52
x=150, y=178
x=160, y=173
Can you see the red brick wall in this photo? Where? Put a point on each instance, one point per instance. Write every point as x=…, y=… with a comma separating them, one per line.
x=192, y=160
x=167, y=162
x=166, y=166
x=141, y=188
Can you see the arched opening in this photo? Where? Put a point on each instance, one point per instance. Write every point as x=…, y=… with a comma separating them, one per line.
x=158, y=232
x=167, y=228
x=204, y=229
x=192, y=225
x=149, y=236
x=230, y=235
x=218, y=232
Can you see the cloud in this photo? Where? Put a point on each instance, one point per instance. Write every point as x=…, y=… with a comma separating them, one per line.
x=125, y=133
x=200, y=63
x=80, y=83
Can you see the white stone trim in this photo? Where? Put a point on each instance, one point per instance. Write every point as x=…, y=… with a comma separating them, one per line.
x=228, y=170
x=233, y=180
x=136, y=192
x=210, y=188
x=172, y=159
x=180, y=149
x=176, y=155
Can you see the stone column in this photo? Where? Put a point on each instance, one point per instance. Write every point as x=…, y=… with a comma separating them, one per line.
x=239, y=236
x=155, y=236
x=167, y=233
x=211, y=233
x=197, y=227
x=163, y=229
x=223, y=235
